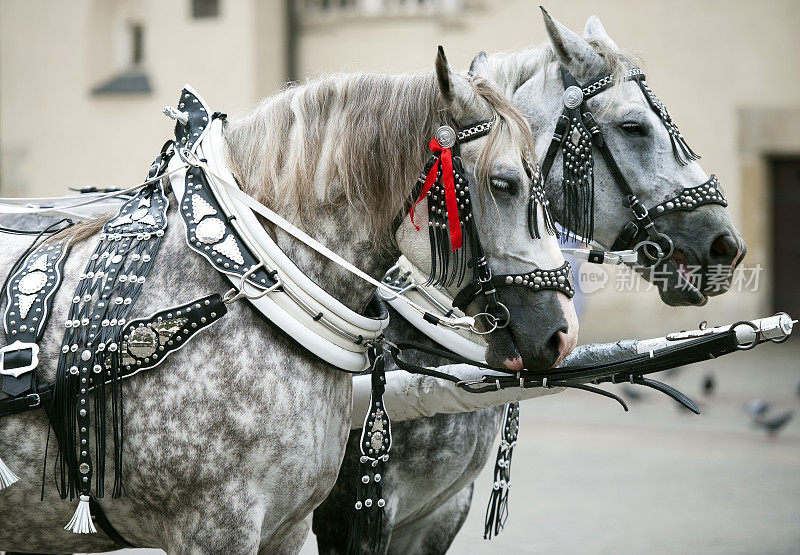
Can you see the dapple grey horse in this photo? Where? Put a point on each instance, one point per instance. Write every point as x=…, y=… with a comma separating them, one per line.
x=232, y=442
x=429, y=481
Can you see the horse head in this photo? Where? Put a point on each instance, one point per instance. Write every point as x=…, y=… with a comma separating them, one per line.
x=509, y=272
x=644, y=149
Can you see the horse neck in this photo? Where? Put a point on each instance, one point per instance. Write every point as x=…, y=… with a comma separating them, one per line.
x=337, y=223
x=341, y=233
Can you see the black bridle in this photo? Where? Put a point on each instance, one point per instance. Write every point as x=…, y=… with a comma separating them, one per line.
x=449, y=266
x=577, y=133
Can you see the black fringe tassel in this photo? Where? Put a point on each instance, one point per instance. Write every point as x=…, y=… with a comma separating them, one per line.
x=96, y=350
x=449, y=267
x=497, y=510
x=366, y=526
x=536, y=199
x=683, y=153
x=578, y=182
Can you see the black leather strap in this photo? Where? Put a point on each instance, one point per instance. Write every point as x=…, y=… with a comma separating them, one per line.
x=690, y=198
x=210, y=230
x=102, y=522
x=148, y=341
x=34, y=400
x=558, y=279
x=29, y=291
x=164, y=332
x=643, y=218
x=555, y=145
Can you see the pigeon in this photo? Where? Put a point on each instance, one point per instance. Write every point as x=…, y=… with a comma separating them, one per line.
x=774, y=424
x=756, y=407
x=708, y=385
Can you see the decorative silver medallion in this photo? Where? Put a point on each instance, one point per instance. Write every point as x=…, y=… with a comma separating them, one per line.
x=32, y=282
x=167, y=328
x=376, y=440
x=573, y=97
x=143, y=342
x=210, y=230
x=445, y=136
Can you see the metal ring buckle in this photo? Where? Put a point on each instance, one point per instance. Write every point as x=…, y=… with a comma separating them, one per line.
x=747, y=346
x=660, y=255
x=638, y=209
x=507, y=318
x=35, y=403
x=189, y=157
x=233, y=294
x=669, y=242
x=491, y=320
x=647, y=243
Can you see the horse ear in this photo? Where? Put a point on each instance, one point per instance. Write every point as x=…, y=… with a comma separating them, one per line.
x=480, y=66
x=594, y=31
x=461, y=99
x=572, y=50
x=443, y=72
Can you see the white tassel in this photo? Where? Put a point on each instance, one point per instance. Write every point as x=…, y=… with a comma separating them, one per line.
x=6, y=476
x=81, y=522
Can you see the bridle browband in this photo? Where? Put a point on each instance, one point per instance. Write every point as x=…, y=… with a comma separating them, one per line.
x=453, y=253
x=577, y=133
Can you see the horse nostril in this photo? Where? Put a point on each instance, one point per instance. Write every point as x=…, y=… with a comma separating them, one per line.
x=724, y=246
x=557, y=341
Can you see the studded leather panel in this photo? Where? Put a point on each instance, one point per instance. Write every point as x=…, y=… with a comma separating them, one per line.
x=559, y=279
x=187, y=136
x=709, y=192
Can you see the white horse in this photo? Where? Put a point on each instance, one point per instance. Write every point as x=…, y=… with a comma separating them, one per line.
x=234, y=440
x=429, y=487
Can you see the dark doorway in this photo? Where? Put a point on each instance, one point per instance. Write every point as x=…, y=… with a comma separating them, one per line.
x=785, y=177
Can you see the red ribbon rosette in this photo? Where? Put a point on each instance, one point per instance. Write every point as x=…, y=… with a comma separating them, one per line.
x=444, y=156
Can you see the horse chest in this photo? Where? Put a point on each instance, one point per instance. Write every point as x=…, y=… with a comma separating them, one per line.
x=442, y=455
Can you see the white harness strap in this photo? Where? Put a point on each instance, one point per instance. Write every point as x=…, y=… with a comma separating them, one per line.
x=464, y=322
x=283, y=306
x=461, y=341
x=301, y=308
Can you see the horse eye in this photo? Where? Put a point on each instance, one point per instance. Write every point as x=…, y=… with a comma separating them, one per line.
x=634, y=128
x=502, y=185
